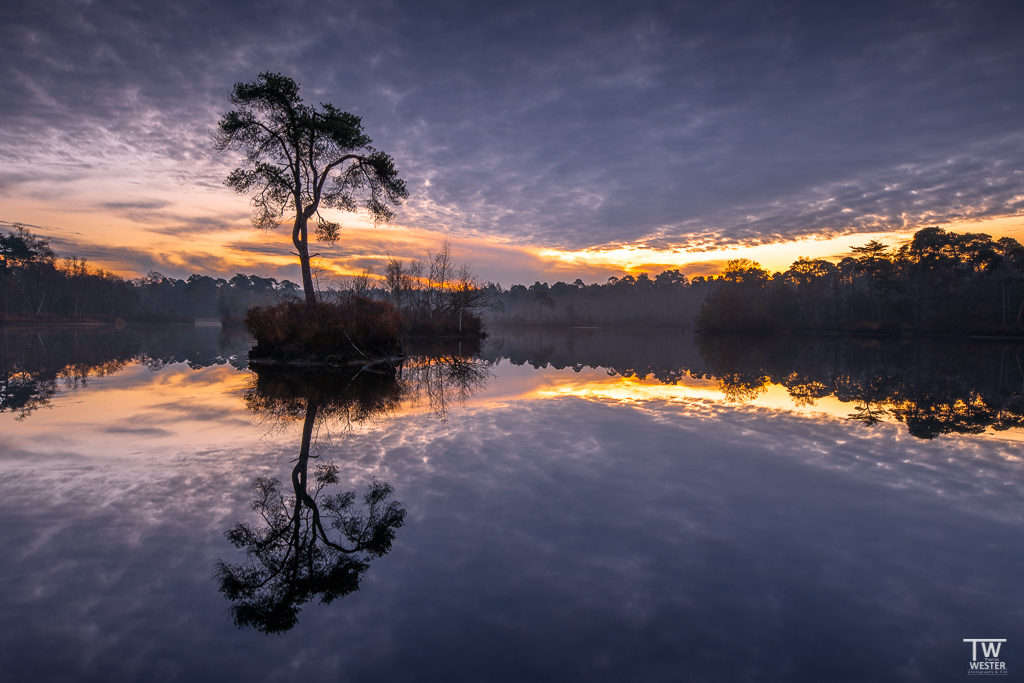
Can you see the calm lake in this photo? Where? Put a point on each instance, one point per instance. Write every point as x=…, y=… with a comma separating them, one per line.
x=579, y=505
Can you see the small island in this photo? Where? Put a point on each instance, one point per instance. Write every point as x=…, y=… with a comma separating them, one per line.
x=421, y=302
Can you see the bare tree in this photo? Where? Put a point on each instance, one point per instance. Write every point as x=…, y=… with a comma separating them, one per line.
x=439, y=275
x=396, y=280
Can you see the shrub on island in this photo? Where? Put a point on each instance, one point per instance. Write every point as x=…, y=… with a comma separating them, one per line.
x=355, y=330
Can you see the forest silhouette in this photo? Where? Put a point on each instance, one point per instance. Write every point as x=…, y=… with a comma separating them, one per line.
x=938, y=282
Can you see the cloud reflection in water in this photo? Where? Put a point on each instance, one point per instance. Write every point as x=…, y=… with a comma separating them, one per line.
x=561, y=525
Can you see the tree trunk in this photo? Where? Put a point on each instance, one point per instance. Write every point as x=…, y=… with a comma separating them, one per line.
x=1002, y=293
x=917, y=311
x=301, y=242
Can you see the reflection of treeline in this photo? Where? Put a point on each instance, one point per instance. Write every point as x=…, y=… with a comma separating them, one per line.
x=938, y=387
x=933, y=388
x=37, y=284
x=668, y=299
x=630, y=353
x=939, y=281
x=36, y=363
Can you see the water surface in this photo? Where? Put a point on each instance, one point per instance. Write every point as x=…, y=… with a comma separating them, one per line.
x=579, y=505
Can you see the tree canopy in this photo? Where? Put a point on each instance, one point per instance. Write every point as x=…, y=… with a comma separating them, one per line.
x=940, y=281
x=300, y=159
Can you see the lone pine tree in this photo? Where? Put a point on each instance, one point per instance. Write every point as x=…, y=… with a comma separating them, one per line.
x=302, y=159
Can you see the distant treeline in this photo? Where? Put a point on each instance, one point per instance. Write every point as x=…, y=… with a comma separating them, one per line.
x=940, y=281
x=38, y=285
x=669, y=299
x=434, y=289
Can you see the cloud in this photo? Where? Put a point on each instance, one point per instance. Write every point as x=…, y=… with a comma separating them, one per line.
x=186, y=227
x=139, y=204
x=565, y=126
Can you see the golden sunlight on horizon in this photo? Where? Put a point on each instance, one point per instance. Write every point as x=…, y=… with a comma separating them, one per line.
x=776, y=256
x=209, y=232
x=363, y=246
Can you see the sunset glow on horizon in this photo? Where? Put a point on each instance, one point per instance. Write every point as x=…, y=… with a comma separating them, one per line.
x=120, y=245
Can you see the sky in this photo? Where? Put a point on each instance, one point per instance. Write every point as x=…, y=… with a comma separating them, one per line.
x=546, y=140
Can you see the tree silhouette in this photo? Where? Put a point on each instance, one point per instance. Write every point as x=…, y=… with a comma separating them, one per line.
x=542, y=297
x=300, y=158
x=13, y=247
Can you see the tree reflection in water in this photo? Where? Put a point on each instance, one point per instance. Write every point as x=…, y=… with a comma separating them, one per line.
x=36, y=364
x=934, y=386
x=443, y=381
x=312, y=543
x=934, y=389
x=22, y=393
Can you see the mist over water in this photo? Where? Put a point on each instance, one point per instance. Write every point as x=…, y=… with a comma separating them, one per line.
x=577, y=505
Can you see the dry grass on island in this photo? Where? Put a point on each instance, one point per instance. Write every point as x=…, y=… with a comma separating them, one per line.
x=362, y=320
